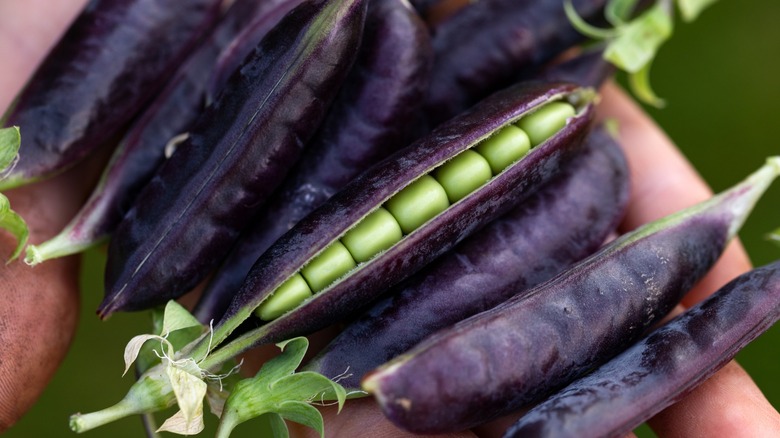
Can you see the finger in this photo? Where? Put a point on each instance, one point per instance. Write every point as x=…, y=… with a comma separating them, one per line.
x=361, y=418
x=663, y=182
x=40, y=306
x=727, y=404
x=28, y=29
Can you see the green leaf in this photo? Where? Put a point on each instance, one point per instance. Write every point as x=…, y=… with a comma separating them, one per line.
x=14, y=224
x=638, y=41
x=9, y=147
x=690, y=9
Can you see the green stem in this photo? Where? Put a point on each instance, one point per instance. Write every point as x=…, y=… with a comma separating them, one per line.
x=151, y=393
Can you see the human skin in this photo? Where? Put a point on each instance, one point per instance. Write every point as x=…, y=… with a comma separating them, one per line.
x=40, y=310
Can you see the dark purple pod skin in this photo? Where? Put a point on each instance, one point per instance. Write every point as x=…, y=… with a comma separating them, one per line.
x=526, y=348
x=587, y=69
x=563, y=222
x=664, y=366
x=141, y=151
x=373, y=116
x=188, y=216
x=367, y=192
x=243, y=44
x=486, y=45
x=111, y=61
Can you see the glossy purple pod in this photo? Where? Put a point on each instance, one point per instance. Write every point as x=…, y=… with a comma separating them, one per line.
x=563, y=222
x=374, y=115
x=587, y=69
x=188, y=216
x=663, y=367
x=111, y=61
x=526, y=348
x=142, y=150
x=489, y=44
x=242, y=45
x=371, y=189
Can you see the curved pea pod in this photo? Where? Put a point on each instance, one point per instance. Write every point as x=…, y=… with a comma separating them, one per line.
x=110, y=62
x=405, y=174
x=563, y=222
x=375, y=114
x=531, y=345
x=486, y=45
x=664, y=366
x=142, y=150
x=188, y=216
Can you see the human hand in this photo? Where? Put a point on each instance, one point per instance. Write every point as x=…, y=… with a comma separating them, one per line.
x=663, y=181
x=40, y=306
x=39, y=334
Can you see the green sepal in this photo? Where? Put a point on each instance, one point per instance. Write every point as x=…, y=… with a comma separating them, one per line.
x=176, y=317
x=584, y=27
x=179, y=328
x=277, y=425
x=277, y=389
x=618, y=12
x=774, y=236
x=10, y=139
x=638, y=41
x=9, y=219
x=690, y=9
x=640, y=85
x=14, y=224
x=303, y=413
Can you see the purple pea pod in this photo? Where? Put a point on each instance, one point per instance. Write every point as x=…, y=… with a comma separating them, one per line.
x=307, y=248
x=664, y=366
x=141, y=151
x=563, y=222
x=373, y=116
x=188, y=216
x=243, y=44
x=112, y=60
x=588, y=69
x=486, y=45
x=531, y=345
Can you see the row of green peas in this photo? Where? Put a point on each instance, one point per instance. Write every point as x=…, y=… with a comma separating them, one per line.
x=416, y=204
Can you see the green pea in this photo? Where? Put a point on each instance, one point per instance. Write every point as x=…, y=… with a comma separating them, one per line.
x=286, y=297
x=375, y=233
x=417, y=203
x=327, y=267
x=546, y=121
x=504, y=147
x=463, y=174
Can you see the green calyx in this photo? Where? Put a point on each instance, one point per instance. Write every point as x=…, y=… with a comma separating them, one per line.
x=278, y=393
x=10, y=140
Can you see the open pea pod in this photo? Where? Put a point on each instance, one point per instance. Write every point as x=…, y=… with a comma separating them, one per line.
x=407, y=210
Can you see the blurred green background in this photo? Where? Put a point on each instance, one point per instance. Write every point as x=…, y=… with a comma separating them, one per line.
x=719, y=77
